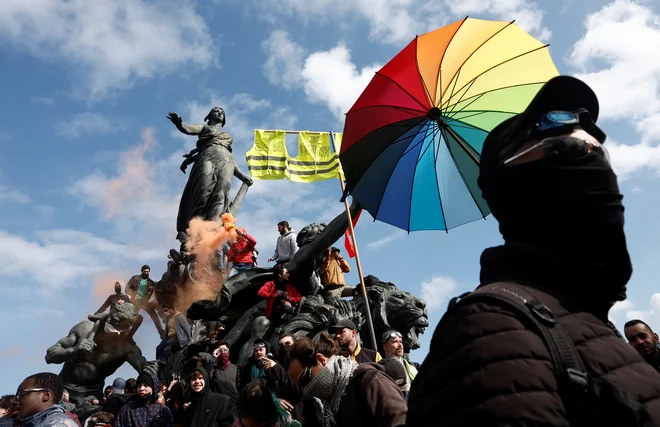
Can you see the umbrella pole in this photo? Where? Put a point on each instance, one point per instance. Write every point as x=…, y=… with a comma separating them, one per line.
x=357, y=254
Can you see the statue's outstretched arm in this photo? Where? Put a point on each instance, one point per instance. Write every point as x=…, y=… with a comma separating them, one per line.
x=62, y=350
x=183, y=127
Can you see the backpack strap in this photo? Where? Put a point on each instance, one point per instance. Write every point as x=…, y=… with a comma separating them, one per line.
x=567, y=363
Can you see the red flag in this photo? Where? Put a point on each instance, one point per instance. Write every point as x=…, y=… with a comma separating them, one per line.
x=348, y=242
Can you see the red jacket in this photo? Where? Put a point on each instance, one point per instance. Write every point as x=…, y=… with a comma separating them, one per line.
x=241, y=250
x=268, y=291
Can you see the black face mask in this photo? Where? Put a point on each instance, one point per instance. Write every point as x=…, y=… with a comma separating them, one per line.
x=145, y=275
x=568, y=202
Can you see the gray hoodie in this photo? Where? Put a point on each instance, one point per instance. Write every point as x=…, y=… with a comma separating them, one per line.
x=286, y=246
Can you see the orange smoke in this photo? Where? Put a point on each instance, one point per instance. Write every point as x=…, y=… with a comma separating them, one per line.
x=134, y=181
x=204, y=240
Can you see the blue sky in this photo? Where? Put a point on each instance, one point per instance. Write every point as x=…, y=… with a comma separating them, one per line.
x=89, y=179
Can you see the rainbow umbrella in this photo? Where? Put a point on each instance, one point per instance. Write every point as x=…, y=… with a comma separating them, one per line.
x=412, y=141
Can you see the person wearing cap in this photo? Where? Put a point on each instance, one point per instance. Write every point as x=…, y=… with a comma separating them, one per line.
x=547, y=179
x=143, y=410
x=392, y=342
x=117, y=397
x=254, y=367
x=332, y=274
x=345, y=333
x=140, y=288
x=240, y=252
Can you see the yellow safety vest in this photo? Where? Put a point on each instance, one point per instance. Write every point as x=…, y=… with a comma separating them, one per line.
x=267, y=159
x=316, y=160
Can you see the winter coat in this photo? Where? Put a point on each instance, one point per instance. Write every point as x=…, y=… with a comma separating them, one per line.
x=286, y=246
x=486, y=368
x=50, y=417
x=332, y=271
x=114, y=403
x=207, y=409
x=268, y=291
x=140, y=414
x=372, y=399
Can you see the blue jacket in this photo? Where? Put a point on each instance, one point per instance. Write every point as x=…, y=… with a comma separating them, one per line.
x=53, y=416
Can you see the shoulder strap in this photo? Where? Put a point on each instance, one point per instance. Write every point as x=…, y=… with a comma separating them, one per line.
x=568, y=365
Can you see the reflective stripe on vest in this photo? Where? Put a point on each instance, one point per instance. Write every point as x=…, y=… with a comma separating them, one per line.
x=316, y=160
x=267, y=159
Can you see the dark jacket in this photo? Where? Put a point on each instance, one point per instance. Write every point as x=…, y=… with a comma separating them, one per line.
x=244, y=376
x=372, y=399
x=134, y=282
x=207, y=409
x=367, y=355
x=486, y=368
x=143, y=414
x=114, y=403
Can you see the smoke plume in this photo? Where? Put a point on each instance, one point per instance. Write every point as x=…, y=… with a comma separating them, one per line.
x=205, y=238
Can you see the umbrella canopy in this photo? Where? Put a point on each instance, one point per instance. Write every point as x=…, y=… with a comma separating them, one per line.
x=412, y=141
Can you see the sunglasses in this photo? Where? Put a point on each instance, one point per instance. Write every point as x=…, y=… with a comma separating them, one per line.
x=25, y=391
x=393, y=335
x=555, y=123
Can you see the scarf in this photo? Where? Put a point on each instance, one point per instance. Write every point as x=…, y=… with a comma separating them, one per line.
x=329, y=384
x=223, y=361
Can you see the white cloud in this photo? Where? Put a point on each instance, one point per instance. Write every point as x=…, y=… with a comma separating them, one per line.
x=628, y=159
x=110, y=43
x=625, y=305
x=328, y=78
x=284, y=64
x=11, y=195
x=438, y=291
x=613, y=57
x=60, y=258
x=377, y=244
x=397, y=21
x=87, y=123
x=527, y=15
x=331, y=78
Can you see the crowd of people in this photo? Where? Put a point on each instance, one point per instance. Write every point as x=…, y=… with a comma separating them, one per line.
x=531, y=346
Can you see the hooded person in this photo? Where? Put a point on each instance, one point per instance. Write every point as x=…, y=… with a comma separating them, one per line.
x=144, y=410
x=546, y=293
x=117, y=398
x=204, y=408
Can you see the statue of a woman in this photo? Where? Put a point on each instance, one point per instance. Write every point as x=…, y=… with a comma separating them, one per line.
x=207, y=192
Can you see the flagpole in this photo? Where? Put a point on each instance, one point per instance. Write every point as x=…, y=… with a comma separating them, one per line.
x=355, y=249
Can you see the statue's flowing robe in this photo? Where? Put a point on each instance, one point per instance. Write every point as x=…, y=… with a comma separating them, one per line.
x=207, y=191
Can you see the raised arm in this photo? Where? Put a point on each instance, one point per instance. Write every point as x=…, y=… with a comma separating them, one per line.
x=183, y=127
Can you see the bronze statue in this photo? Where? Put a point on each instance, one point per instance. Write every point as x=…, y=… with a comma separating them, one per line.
x=93, y=351
x=207, y=191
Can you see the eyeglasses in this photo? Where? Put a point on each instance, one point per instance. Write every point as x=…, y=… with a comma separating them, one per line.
x=223, y=350
x=24, y=392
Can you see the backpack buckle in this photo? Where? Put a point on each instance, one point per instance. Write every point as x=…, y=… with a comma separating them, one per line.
x=542, y=311
x=578, y=378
